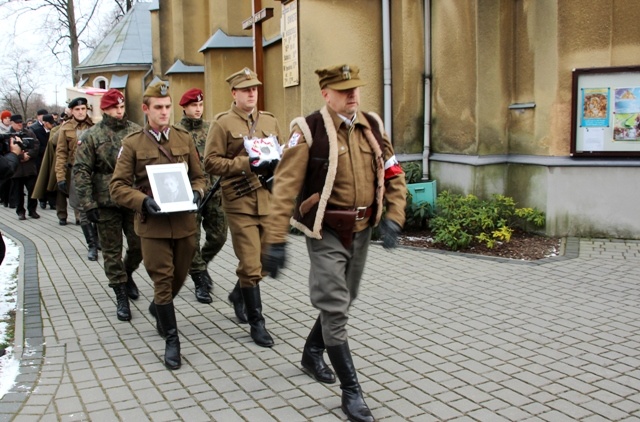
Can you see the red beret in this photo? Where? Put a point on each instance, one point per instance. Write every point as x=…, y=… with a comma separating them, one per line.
x=5, y=114
x=192, y=95
x=111, y=98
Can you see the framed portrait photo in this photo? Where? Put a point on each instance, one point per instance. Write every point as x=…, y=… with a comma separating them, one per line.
x=171, y=187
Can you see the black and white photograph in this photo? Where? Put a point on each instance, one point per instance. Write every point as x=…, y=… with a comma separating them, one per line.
x=171, y=187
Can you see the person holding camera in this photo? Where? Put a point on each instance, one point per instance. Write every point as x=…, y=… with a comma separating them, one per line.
x=27, y=171
x=8, y=164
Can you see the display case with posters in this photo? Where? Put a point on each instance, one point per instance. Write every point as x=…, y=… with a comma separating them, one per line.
x=605, y=118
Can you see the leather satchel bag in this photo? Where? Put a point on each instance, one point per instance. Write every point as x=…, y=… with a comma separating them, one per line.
x=342, y=222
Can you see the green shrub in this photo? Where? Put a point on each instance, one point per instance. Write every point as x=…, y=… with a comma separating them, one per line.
x=412, y=171
x=460, y=220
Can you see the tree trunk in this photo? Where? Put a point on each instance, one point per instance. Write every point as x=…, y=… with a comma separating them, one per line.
x=74, y=44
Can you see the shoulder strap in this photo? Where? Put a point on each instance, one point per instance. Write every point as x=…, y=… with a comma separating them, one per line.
x=160, y=147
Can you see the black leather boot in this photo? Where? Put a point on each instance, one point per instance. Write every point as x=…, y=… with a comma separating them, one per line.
x=253, y=303
x=122, y=303
x=353, y=404
x=202, y=292
x=312, y=361
x=132, y=289
x=154, y=313
x=235, y=297
x=87, y=230
x=167, y=319
x=94, y=228
x=207, y=280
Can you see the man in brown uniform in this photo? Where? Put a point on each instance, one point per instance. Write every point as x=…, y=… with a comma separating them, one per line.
x=340, y=165
x=68, y=137
x=167, y=239
x=244, y=199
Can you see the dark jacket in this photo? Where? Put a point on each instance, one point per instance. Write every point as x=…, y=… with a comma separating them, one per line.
x=8, y=165
x=30, y=167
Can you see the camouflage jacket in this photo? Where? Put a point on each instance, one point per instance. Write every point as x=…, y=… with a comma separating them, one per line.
x=198, y=129
x=95, y=160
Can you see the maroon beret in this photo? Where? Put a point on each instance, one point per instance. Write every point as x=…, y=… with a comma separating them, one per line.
x=111, y=98
x=191, y=96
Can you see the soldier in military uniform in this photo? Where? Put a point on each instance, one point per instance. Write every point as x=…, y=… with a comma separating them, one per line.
x=168, y=239
x=94, y=164
x=68, y=136
x=341, y=167
x=245, y=199
x=211, y=218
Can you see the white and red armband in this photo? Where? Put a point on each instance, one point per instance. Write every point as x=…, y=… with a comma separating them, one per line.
x=392, y=168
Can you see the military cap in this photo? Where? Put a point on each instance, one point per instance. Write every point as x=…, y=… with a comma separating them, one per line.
x=42, y=112
x=111, y=98
x=77, y=102
x=244, y=78
x=194, y=95
x=158, y=89
x=340, y=77
x=16, y=118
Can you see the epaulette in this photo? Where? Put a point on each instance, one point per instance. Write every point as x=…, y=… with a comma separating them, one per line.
x=266, y=113
x=217, y=116
x=135, y=132
x=180, y=128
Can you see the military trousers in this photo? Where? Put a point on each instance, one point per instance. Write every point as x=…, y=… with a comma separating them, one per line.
x=334, y=280
x=61, y=207
x=247, y=236
x=214, y=223
x=167, y=262
x=113, y=223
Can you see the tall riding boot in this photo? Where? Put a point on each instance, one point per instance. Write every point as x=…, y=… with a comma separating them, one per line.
x=132, y=289
x=312, y=360
x=87, y=229
x=202, y=292
x=253, y=303
x=235, y=297
x=167, y=319
x=353, y=404
x=122, y=308
x=154, y=313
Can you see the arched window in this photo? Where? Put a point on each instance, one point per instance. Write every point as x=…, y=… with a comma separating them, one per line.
x=101, y=82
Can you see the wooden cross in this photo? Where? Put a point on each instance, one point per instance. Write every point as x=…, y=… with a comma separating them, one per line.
x=258, y=16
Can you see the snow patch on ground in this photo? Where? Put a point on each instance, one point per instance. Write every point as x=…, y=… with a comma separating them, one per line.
x=9, y=365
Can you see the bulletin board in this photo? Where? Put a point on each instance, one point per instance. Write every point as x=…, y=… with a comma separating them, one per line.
x=605, y=117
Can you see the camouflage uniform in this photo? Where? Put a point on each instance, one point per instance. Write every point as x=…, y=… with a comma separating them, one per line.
x=212, y=218
x=95, y=160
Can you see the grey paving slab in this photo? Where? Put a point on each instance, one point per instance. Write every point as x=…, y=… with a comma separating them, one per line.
x=435, y=336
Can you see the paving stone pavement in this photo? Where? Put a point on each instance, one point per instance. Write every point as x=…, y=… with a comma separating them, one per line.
x=435, y=337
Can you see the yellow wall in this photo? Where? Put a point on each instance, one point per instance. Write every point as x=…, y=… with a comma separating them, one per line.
x=488, y=55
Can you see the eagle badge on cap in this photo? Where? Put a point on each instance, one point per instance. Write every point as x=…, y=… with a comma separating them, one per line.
x=346, y=72
x=247, y=73
x=199, y=98
x=164, y=89
x=120, y=100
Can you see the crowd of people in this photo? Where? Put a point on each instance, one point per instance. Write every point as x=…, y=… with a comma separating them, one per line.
x=331, y=177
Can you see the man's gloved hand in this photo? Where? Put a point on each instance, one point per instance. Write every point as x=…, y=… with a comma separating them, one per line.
x=260, y=167
x=62, y=187
x=196, y=198
x=273, y=258
x=151, y=206
x=272, y=165
x=93, y=215
x=389, y=232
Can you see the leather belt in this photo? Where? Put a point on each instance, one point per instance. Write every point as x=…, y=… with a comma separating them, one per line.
x=362, y=212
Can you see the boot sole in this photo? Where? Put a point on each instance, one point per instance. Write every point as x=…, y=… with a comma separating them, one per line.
x=123, y=319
